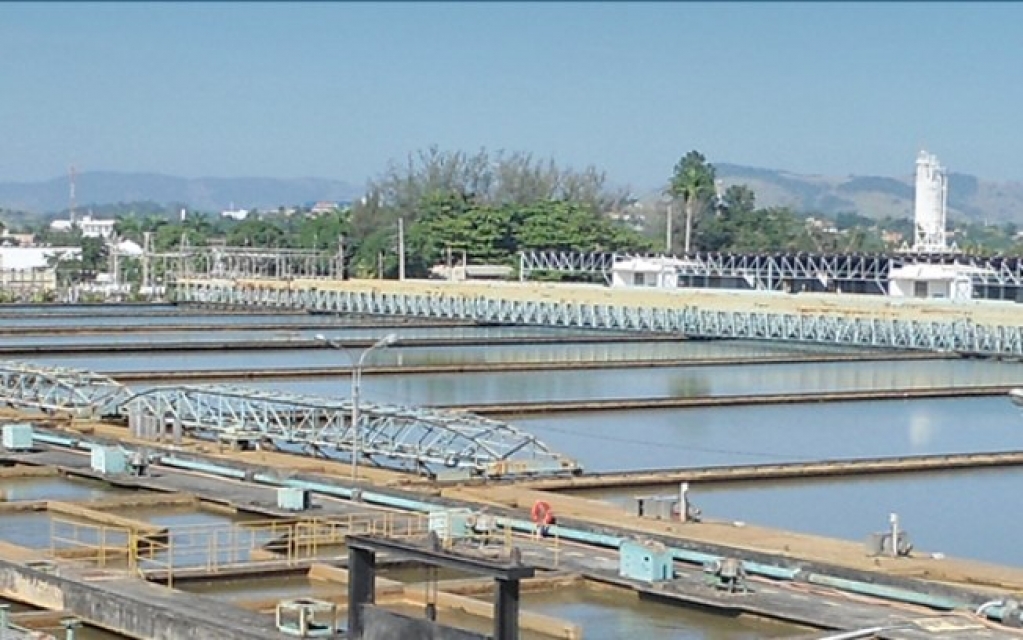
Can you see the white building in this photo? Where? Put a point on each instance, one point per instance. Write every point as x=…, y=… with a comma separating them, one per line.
x=28, y=258
x=660, y=272
x=91, y=227
x=128, y=248
x=950, y=281
x=26, y=269
x=234, y=214
x=323, y=206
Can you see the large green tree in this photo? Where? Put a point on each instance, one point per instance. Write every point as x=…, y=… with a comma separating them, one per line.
x=477, y=203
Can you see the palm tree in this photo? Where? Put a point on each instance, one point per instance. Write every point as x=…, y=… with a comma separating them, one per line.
x=693, y=183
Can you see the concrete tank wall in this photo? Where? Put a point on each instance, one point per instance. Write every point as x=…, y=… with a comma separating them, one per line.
x=135, y=608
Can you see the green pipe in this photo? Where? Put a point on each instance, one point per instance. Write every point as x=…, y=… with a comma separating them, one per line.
x=886, y=592
x=575, y=535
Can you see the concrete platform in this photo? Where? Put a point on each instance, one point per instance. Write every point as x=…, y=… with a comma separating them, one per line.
x=786, y=600
x=130, y=606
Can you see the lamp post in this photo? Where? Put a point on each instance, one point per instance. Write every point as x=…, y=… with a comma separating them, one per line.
x=382, y=343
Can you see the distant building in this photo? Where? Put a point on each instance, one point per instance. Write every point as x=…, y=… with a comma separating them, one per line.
x=322, y=207
x=91, y=227
x=9, y=239
x=26, y=269
x=950, y=281
x=26, y=258
x=234, y=214
x=128, y=248
x=658, y=272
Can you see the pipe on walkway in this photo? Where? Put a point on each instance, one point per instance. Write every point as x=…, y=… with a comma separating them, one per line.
x=1004, y=611
x=994, y=610
x=885, y=592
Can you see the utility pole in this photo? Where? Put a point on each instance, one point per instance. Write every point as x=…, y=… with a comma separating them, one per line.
x=401, y=248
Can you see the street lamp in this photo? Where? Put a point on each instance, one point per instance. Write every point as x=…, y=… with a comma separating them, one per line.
x=382, y=343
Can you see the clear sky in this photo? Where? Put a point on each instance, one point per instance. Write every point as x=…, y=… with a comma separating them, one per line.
x=337, y=90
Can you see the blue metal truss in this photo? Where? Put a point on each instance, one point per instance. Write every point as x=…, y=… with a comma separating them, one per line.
x=59, y=390
x=419, y=438
x=948, y=336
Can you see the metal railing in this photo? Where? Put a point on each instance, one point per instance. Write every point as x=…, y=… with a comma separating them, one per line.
x=215, y=548
x=498, y=539
x=105, y=546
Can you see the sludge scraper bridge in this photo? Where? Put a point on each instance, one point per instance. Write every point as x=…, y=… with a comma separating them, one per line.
x=58, y=390
x=412, y=438
x=415, y=438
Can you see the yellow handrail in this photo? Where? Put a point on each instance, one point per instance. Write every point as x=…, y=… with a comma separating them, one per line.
x=215, y=547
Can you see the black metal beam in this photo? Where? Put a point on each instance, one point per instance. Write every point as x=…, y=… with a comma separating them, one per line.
x=361, y=587
x=506, y=610
x=441, y=558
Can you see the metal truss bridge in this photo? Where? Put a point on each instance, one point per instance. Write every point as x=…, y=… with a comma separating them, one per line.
x=409, y=299
x=420, y=439
x=56, y=390
x=996, y=277
x=246, y=262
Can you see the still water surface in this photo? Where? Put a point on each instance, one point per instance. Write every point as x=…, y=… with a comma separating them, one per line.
x=620, y=440
x=677, y=382
x=27, y=489
x=960, y=513
x=284, y=359
x=603, y=614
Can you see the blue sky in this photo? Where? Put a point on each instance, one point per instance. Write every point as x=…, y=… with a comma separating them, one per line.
x=338, y=90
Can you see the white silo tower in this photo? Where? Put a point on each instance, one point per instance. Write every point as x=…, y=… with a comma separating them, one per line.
x=931, y=199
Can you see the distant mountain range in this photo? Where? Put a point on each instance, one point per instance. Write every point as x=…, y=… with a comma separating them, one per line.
x=872, y=196
x=202, y=194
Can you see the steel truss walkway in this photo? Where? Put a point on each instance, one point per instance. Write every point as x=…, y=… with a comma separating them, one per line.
x=422, y=439
x=59, y=390
x=850, y=330
x=249, y=262
x=861, y=273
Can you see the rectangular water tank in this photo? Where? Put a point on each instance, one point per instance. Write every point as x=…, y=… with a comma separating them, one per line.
x=17, y=437
x=109, y=460
x=646, y=561
x=291, y=499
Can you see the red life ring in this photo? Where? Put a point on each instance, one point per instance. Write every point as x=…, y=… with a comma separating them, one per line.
x=542, y=512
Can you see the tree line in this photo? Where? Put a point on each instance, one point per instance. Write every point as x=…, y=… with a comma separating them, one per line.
x=490, y=206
